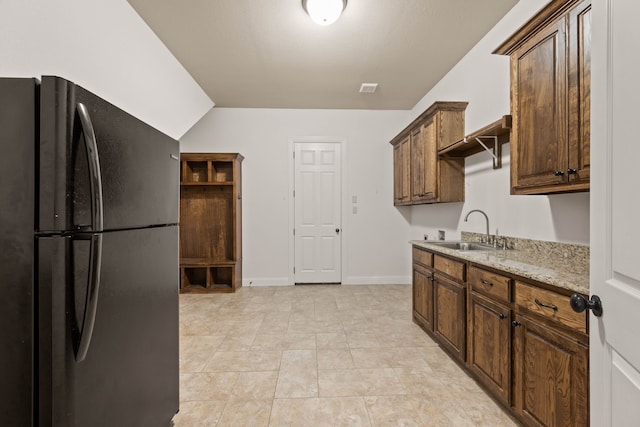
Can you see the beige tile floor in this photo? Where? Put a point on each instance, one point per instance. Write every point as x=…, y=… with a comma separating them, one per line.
x=322, y=355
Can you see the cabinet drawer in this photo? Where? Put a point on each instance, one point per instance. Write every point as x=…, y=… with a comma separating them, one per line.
x=422, y=257
x=450, y=267
x=551, y=305
x=491, y=284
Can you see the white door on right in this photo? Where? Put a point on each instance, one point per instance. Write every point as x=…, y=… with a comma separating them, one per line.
x=615, y=214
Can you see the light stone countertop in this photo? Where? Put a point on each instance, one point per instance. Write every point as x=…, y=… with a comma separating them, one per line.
x=561, y=265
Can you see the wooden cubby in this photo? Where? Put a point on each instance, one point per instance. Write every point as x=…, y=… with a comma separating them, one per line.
x=210, y=222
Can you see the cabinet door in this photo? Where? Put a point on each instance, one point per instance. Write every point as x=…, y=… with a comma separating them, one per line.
x=490, y=345
x=450, y=315
x=423, y=163
x=579, y=93
x=417, y=165
x=539, y=93
x=429, y=137
x=397, y=175
x=405, y=148
x=551, y=376
x=423, y=297
x=402, y=172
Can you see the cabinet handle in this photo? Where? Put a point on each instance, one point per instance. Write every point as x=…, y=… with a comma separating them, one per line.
x=541, y=304
x=502, y=316
x=572, y=171
x=485, y=282
x=515, y=323
x=432, y=278
x=559, y=173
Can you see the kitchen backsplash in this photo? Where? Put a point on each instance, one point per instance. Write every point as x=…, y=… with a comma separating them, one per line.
x=561, y=250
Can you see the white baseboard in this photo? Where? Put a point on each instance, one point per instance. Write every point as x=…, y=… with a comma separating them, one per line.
x=255, y=282
x=355, y=280
x=377, y=280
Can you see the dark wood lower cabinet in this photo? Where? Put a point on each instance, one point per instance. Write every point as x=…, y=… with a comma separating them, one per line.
x=490, y=345
x=423, y=296
x=550, y=376
x=450, y=315
x=534, y=362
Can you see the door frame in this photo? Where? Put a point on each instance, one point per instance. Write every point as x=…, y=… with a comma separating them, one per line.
x=292, y=206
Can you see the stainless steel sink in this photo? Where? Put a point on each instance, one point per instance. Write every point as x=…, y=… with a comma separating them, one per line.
x=464, y=246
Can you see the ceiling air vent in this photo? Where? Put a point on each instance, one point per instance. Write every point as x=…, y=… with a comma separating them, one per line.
x=368, y=87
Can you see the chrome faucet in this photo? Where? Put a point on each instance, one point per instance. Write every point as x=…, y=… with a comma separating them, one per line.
x=485, y=217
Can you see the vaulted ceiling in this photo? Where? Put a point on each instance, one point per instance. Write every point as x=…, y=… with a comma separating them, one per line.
x=269, y=54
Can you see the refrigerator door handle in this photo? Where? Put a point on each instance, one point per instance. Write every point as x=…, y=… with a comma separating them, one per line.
x=95, y=175
x=91, y=303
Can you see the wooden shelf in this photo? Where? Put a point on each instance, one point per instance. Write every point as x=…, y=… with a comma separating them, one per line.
x=200, y=262
x=225, y=183
x=210, y=222
x=201, y=278
x=493, y=136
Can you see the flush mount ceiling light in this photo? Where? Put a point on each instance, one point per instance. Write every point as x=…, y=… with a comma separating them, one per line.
x=324, y=12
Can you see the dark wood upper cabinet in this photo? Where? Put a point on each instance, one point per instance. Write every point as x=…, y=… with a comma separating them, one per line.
x=402, y=172
x=550, y=99
x=424, y=163
x=420, y=176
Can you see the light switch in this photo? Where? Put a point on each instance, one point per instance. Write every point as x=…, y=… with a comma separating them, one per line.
x=354, y=210
x=354, y=199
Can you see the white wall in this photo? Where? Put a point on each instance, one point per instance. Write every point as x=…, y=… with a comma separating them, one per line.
x=482, y=79
x=104, y=46
x=375, y=239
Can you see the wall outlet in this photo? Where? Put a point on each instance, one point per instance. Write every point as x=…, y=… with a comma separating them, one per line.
x=440, y=234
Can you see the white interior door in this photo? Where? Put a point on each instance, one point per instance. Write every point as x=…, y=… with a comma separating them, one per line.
x=615, y=212
x=317, y=213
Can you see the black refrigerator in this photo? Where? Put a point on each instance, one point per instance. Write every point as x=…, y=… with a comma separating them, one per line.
x=89, y=201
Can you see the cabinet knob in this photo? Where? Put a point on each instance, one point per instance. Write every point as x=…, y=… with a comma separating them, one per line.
x=579, y=304
x=559, y=173
x=515, y=323
x=502, y=316
x=572, y=171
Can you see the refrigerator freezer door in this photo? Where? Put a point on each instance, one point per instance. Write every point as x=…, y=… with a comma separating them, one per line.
x=129, y=375
x=17, y=209
x=138, y=165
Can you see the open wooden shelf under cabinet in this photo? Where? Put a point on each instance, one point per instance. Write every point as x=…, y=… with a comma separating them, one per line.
x=489, y=138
